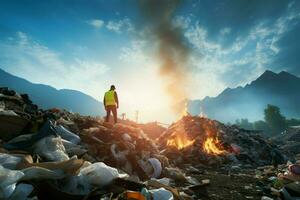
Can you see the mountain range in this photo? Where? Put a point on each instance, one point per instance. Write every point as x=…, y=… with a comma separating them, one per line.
x=48, y=97
x=280, y=89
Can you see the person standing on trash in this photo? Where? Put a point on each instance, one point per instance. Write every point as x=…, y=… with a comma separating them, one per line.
x=111, y=103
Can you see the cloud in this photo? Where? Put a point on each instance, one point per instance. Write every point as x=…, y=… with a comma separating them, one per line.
x=197, y=36
x=224, y=66
x=116, y=26
x=225, y=31
x=119, y=25
x=93, y=68
x=182, y=22
x=205, y=79
x=96, y=23
x=134, y=53
x=239, y=55
x=21, y=54
x=25, y=57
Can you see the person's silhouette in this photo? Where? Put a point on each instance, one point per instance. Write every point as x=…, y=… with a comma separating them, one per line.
x=111, y=103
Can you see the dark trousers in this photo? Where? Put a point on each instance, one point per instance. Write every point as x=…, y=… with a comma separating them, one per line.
x=112, y=109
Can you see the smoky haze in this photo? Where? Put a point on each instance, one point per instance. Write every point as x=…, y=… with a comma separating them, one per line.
x=171, y=50
x=279, y=89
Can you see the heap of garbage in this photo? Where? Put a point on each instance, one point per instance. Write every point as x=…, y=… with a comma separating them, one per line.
x=47, y=154
x=201, y=141
x=153, y=129
x=56, y=154
x=289, y=142
x=16, y=112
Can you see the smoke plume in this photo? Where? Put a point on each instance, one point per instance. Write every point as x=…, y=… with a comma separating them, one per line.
x=172, y=51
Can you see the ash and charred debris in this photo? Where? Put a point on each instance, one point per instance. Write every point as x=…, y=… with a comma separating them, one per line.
x=48, y=154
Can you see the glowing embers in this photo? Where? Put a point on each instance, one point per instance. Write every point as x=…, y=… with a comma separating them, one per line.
x=185, y=112
x=212, y=146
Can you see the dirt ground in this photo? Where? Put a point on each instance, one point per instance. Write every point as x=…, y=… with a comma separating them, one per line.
x=230, y=187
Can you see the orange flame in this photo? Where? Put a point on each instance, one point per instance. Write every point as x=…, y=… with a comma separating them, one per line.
x=180, y=141
x=185, y=112
x=211, y=146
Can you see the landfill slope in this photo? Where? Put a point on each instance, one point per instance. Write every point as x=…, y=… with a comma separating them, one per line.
x=56, y=154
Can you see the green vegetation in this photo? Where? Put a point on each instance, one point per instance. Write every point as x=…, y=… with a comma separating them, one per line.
x=274, y=122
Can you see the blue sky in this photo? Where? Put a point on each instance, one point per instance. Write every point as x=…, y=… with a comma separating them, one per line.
x=88, y=45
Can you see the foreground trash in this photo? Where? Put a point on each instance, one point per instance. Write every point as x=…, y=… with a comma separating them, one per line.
x=61, y=155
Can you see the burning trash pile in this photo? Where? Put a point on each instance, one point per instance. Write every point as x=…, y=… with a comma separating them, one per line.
x=201, y=141
x=254, y=167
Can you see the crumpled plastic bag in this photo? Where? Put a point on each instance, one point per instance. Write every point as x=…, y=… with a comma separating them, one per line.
x=21, y=192
x=99, y=174
x=39, y=173
x=73, y=149
x=8, y=180
x=51, y=148
x=27, y=142
x=165, y=181
x=69, y=145
x=19, y=138
x=78, y=185
x=9, y=161
x=8, y=113
x=161, y=194
x=67, y=135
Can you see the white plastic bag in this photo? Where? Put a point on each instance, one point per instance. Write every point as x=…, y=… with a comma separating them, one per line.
x=161, y=194
x=21, y=192
x=8, y=112
x=51, y=148
x=67, y=135
x=8, y=180
x=77, y=184
x=100, y=174
x=165, y=181
x=73, y=149
x=8, y=161
x=39, y=173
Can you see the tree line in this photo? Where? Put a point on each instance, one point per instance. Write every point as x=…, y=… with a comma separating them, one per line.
x=274, y=122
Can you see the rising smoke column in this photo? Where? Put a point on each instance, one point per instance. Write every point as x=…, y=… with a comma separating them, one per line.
x=172, y=50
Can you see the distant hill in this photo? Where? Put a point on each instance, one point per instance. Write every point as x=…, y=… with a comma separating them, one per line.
x=282, y=90
x=48, y=97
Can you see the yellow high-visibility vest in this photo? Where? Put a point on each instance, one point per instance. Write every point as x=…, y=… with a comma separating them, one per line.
x=110, y=98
